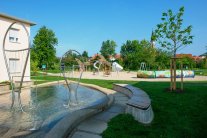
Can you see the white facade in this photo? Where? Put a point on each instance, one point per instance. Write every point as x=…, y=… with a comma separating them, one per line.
x=16, y=39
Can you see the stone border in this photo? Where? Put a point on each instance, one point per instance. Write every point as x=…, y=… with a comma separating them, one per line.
x=66, y=125
x=139, y=104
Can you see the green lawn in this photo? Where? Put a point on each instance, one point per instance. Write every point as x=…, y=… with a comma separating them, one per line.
x=39, y=78
x=53, y=71
x=202, y=72
x=176, y=114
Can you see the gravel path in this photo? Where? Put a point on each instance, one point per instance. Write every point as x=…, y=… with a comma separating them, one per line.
x=130, y=76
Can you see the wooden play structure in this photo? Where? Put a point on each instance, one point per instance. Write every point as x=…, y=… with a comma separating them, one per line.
x=106, y=65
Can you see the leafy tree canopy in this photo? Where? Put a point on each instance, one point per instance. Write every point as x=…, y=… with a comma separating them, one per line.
x=134, y=52
x=108, y=48
x=85, y=54
x=43, y=51
x=171, y=34
x=162, y=59
x=188, y=63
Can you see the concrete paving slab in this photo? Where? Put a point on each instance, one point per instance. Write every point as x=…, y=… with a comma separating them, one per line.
x=116, y=109
x=105, y=116
x=11, y=132
x=79, y=134
x=93, y=126
x=3, y=130
x=121, y=98
x=118, y=94
x=120, y=103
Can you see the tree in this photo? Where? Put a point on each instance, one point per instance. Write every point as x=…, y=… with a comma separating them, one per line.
x=34, y=62
x=135, y=52
x=170, y=33
x=85, y=54
x=202, y=63
x=162, y=59
x=172, y=36
x=187, y=62
x=128, y=51
x=108, y=48
x=43, y=51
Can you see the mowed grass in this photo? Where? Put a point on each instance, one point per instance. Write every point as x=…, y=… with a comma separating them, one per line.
x=40, y=78
x=176, y=114
x=202, y=72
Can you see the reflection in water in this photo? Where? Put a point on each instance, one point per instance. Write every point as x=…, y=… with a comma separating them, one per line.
x=44, y=107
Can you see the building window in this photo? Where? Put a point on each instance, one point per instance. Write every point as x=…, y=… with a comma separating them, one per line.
x=14, y=65
x=13, y=35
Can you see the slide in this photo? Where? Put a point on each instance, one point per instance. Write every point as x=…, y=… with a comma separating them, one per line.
x=97, y=62
x=116, y=67
x=95, y=66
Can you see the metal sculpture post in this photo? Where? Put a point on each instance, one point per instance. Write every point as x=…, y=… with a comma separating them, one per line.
x=66, y=61
x=15, y=89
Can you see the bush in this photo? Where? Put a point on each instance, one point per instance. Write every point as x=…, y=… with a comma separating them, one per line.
x=145, y=74
x=34, y=67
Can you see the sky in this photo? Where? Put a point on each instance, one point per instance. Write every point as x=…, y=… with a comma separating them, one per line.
x=85, y=24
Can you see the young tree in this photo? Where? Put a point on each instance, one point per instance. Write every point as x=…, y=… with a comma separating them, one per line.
x=43, y=51
x=170, y=33
x=108, y=48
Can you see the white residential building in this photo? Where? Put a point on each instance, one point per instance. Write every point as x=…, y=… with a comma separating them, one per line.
x=16, y=39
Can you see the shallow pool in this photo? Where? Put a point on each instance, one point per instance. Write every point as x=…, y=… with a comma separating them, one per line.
x=44, y=106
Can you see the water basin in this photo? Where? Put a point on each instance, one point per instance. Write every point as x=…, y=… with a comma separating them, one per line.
x=44, y=106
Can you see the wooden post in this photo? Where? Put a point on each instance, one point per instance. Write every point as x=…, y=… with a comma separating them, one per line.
x=181, y=68
x=171, y=75
x=174, y=69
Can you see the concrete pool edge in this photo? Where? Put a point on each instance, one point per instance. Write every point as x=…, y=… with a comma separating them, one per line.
x=66, y=125
x=33, y=86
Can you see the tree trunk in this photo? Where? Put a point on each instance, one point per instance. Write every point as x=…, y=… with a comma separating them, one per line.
x=174, y=68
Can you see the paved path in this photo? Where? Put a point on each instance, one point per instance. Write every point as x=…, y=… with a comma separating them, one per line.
x=94, y=126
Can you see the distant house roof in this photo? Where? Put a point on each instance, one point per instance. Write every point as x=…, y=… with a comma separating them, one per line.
x=204, y=54
x=117, y=56
x=184, y=55
x=94, y=56
x=197, y=58
x=16, y=19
